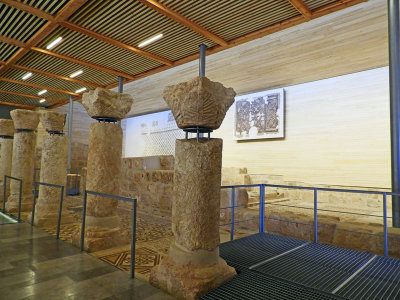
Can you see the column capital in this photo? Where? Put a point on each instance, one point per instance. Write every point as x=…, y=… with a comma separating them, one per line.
x=25, y=119
x=52, y=121
x=6, y=127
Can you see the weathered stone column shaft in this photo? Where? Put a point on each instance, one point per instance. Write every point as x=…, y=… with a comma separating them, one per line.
x=6, y=149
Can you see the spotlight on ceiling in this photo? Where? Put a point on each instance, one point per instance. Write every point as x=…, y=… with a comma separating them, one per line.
x=26, y=76
x=54, y=43
x=76, y=74
x=150, y=40
x=42, y=92
x=80, y=90
x=42, y=100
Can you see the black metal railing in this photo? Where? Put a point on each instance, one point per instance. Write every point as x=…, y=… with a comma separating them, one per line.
x=133, y=235
x=19, y=196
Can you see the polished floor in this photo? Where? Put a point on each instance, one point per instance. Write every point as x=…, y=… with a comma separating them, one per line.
x=34, y=265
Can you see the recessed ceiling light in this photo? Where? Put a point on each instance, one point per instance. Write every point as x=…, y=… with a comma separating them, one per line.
x=80, y=90
x=42, y=92
x=150, y=40
x=54, y=43
x=42, y=100
x=26, y=76
x=76, y=74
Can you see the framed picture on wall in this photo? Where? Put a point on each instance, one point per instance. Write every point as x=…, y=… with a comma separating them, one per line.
x=260, y=115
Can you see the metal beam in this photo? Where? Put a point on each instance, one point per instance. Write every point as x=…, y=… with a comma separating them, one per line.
x=202, y=60
x=394, y=81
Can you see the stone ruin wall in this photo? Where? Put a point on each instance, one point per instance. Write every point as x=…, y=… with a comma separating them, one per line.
x=150, y=179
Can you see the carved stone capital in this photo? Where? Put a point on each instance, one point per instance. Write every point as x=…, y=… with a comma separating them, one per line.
x=105, y=103
x=25, y=119
x=199, y=102
x=6, y=127
x=52, y=121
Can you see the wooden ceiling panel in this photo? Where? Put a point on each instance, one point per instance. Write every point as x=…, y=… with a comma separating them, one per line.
x=23, y=100
x=49, y=6
x=65, y=68
x=75, y=44
x=6, y=51
x=31, y=91
x=132, y=22
x=44, y=80
x=313, y=4
x=231, y=19
x=17, y=24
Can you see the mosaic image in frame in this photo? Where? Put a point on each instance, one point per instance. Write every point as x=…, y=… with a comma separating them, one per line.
x=260, y=115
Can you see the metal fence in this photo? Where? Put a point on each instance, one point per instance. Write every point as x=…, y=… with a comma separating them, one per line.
x=35, y=194
x=133, y=236
x=261, y=217
x=19, y=196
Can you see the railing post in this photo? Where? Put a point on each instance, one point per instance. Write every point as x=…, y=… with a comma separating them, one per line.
x=59, y=213
x=315, y=216
x=233, y=213
x=385, y=227
x=4, y=193
x=33, y=203
x=83, y=220
x=19, y=201
x=262, y=208
x=133, y=238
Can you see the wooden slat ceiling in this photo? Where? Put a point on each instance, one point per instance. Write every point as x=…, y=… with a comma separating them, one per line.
x=101, y=38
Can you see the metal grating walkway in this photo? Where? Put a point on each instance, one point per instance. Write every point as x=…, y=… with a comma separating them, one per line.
x=276, y=267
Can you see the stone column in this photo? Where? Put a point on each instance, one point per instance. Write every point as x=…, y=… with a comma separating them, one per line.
x=104, y=168
x=23, y=161
x=193, y=266
x=54, y=164
x=6, y=146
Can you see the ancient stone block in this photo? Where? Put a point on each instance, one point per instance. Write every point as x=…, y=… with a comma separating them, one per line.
x=105, y=103
x=199, y=102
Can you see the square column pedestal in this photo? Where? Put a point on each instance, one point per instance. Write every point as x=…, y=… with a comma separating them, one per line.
x=193, y=266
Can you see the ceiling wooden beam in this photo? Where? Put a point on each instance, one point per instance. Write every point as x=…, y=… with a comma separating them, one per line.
x=302, y=8
x=11, y=41
x=184, y=21
x=32, y=96
x=42, y=87
x=335, y=6
x=115, y=43
x=52, y=75
x=29, y=9
x=20, y=105
x=83, y=62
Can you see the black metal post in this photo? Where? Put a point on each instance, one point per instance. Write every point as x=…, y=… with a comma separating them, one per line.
x=233, y=214
x=202, y=61
x=19, y=201
x=4, y=193
x=83, y=220
x=385, y=227
x=59, y=213
x=70, y=115
x=133, y=238
x=315, y=216
x=394, y=78
x=33, y=203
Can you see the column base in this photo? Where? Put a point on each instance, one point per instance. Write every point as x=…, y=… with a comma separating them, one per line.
x=189, y=281
x=12, y=204
x=51, y=219
x=97, y=239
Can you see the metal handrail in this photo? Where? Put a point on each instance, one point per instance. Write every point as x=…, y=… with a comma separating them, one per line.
x=61, y=187
x=133, y=236
x=19, y=197
x=315, y=208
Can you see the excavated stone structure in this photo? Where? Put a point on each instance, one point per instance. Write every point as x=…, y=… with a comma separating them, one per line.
x=53, y=170
x=23, y=161
x=193, y=266
x=104, y=168
x=6, y=146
